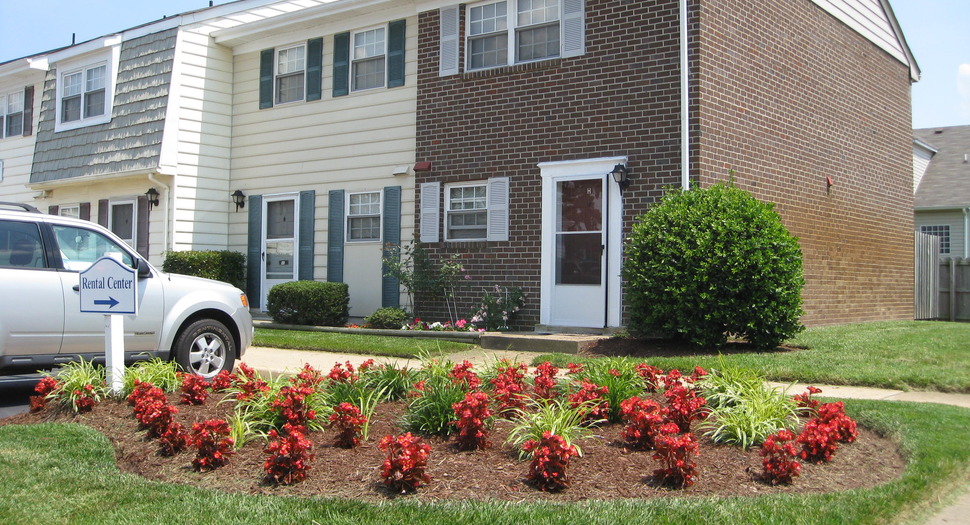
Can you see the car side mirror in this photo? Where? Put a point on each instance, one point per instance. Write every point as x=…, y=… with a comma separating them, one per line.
x=144, y=270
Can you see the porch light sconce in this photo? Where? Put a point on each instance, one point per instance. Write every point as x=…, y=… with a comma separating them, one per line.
x=619, y=174
x=239, y=199
x=152, y=195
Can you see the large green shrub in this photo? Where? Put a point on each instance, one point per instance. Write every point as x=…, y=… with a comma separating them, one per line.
x=707, y=264
x=226, y=266
x=309, y=303
x=389, y=318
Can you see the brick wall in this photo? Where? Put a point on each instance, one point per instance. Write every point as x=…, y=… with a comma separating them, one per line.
x=789, y=96
x=782, y=93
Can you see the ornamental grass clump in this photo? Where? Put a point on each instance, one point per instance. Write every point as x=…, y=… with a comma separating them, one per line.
x=556, y=416
x=163, y=374
x=405, y=467
x=82, y=385
x=744, y=411
x=550, y=459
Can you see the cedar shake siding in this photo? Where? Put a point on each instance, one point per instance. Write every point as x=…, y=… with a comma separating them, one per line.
x=132, y=139
x=781, y=92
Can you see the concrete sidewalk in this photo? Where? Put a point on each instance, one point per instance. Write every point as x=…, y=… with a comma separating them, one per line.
x=279, y=361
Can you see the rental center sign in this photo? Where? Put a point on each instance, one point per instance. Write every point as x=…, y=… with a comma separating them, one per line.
x=108, y=287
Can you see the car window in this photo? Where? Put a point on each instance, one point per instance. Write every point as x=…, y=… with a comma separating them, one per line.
x=20, y=245
x=80, y=247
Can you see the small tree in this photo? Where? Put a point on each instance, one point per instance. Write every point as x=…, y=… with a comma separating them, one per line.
x=708, y=263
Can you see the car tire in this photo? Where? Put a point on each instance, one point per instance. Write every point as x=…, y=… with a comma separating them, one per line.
x=205, y=348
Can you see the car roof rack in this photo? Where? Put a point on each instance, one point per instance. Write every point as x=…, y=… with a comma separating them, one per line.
x=25, y=207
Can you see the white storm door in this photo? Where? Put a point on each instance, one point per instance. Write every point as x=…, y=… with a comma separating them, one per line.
x=279, y=253
x=578, y=250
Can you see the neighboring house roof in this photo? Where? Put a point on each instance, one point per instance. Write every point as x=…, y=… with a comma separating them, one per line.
x=946, y=183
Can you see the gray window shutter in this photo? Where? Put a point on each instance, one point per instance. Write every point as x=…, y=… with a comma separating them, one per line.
x=254, y=250
x=430, y=211
x=396, y=36
x=141, y=226
x=335, y=237
x=28, y=111
x=307, y=214
x=52, y=210
x=498, y=209
x=390, y=287
x=573, y=28
x=103, y=212
x=314, y=69
x=448, y=23
x=341, y=64
x=266, y=58
x=85, y=211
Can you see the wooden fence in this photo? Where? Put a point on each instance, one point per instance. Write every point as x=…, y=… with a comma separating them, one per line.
x=954, y=296
x=942, y=283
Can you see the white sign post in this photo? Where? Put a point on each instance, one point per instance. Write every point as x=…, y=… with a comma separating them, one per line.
x=109, y=287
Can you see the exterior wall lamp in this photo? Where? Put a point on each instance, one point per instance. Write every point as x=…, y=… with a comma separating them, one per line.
x=239, y=199
x=619, y=174
x=152, y=195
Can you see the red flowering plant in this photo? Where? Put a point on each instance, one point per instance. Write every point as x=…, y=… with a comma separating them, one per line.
x=575, y=368
x=223, y=381
x=462, y=373
x=405, y=467
x=550, y=459
x=818, y=441
x=544, y=384
x=289, y=455
x=473, y=416
x=844, y=427
x=343, y=373
x=643, y=418
x=683, y=405
x=215, y=447
x=675, y=452
x=291, y=406
x=82, y=384
x=175, y=439
x=195, y=389
x=805, y=401
x=591, y=399
x=650, y=375
x=45, y=389
x=509, y=387
x=348, y=420
x=778, y=454
x=309, y=377
x=249, y=385
x=84, y=398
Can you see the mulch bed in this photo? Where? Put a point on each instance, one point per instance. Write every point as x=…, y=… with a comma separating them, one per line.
x=606, y=471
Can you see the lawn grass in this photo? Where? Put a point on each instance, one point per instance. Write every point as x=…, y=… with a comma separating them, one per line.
x=65, y=473
x=407, y=347
x=903, y=355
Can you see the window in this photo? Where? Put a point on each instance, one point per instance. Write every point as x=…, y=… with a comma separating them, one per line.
x=531, y=28
x=466, y=213
x=73, y=211
x=83, y=93
x=20, y=245
x=290, y=74
x=941, y=231
x=121, y=220
x=12, y=114
x=81, y=247
x=367, y=68
x=364, y=216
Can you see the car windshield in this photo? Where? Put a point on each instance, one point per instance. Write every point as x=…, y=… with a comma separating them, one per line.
x=81, y=247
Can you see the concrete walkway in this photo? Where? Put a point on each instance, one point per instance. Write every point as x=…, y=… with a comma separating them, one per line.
x=278, y=361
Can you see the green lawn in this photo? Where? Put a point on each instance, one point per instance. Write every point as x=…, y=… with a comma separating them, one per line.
x=355, y=343
x=65, y=473
x=903, y=355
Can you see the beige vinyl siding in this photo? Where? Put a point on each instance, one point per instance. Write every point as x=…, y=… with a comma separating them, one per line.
x=351, y=143
x=17, y=154
x=198, y=143
x=921, y=160
x=868, y=19
x=954, y=219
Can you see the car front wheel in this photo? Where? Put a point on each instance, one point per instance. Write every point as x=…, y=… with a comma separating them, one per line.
x=205, y=348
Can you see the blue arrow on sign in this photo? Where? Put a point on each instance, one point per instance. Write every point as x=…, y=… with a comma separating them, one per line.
x=111, y=302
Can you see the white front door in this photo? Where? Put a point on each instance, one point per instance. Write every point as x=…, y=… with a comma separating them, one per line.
x=279, y=251
x=580, y=244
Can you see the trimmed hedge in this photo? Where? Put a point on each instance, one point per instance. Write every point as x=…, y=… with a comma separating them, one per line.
x=226, y=266
x=389, y=318
x=710, y=263
x=309, y=303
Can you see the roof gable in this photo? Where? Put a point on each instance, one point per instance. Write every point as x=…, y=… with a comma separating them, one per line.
x=946, y=183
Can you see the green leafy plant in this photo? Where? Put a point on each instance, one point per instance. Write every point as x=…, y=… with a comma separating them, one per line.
x=389, y=318
x=556, y=417
x=710, y=263
x=619, y=376
x=421, y=278
x=82, y=385
x=430, y=411
x=498, y=306
x=223, y=265
x=309, y=303
x=746, y=410
x=160, y=373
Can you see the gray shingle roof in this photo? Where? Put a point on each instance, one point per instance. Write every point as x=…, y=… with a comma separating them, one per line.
x=947, y=179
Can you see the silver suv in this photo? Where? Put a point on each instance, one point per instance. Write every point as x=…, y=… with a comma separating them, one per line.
x=203, y=325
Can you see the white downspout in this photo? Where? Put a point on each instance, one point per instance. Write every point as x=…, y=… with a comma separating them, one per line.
x=684, y=99
x=168, y=210
x=966, y=232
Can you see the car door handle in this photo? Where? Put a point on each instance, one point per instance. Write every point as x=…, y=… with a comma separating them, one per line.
x=76, y=288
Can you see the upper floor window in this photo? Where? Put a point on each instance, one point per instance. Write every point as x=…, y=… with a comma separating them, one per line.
x=364, y=216
x=943, y=232
x=290, y=74
x=512, y=31
x=368, y=63
x=83, y=93
x=11, y=114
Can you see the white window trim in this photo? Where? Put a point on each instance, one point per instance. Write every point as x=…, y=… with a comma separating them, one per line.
x=496, y=209
x=511, y=27
x=134, y=219
x=937, y=230
x=77, y=207
x=276, y=73
x=448, y=210
x=4, y=96
x=110, y=59
x=353, y=61
x=348, y=217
